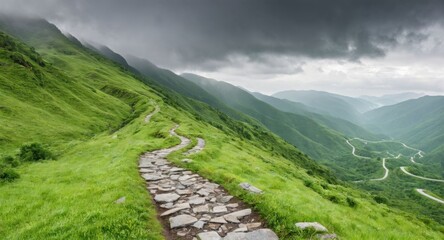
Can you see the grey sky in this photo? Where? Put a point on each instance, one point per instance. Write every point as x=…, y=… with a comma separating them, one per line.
x=352, y=47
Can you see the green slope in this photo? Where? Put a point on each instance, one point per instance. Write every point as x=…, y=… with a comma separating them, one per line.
x=338, y=106
x=166, y=78
x=343, y=126
x=418, y=122
x=95, y=128
x=312, y=138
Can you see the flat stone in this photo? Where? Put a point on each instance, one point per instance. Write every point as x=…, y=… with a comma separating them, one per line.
x=185, y=177
x=225, y=199
x=327, y=236
x=174, y=177
x=146, y=170
x=146, y=165
x=183, y=192
x=218, y=220
x=315, y=225
x=250, y=188
x=260, y=234
x=253, y=225
x=152, y=177
x=167, y=205
x=182, y=220
x=211, y=186
x=182, y=205
x=209, y=236
x=232, y=205
x=177, y=208
x=205, y=217
x=201, y=209
x=241, y=229
x=240, y=214
x=231, y=219
x=197, y=201
x=120, y=200
x=166, y=197
x=199, y=224
x=220, y=209
x=203, y=192
x=188, y=182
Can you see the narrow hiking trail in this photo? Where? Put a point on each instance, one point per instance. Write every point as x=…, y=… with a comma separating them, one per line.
x=148, y=117
x=421, y=191
x=191, y=207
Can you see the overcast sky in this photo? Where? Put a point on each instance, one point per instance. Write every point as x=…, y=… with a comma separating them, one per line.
x=351, y=47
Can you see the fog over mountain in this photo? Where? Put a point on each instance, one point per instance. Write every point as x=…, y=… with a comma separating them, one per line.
x=349, y=47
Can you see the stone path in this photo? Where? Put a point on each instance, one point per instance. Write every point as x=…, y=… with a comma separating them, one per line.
x=199, y=147
x=191, y=207
x=148, y=117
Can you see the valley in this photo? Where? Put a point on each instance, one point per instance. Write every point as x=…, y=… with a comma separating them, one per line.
x=95, y=145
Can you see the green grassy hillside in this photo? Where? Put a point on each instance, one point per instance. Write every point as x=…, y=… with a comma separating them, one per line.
x=89, y=112
x=316, y=140
x=338, y=124
x=418, y=122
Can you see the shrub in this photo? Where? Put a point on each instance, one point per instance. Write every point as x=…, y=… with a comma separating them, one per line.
x=352, y=202
x=8, y=175
x=9, y=160
x=333, y=198
x=380, y=199
x=34, y=152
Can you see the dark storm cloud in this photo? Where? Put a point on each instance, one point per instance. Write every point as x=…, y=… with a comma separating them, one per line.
x=180, y=33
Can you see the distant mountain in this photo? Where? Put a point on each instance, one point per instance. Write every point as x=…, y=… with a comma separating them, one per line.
x=339, y=106
x=168, y=79
x=419, y=122
x=348, y=128
x=318, y=141
x=391, y=99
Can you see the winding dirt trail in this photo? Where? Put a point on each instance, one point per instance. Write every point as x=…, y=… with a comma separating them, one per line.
x=148, y=117
x=190, y=206
x=421, y=191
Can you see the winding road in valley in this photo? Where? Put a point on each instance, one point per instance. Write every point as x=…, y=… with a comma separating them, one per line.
x=354, y=149
x=421, y=191
x=416, y=176
x=385, y=174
